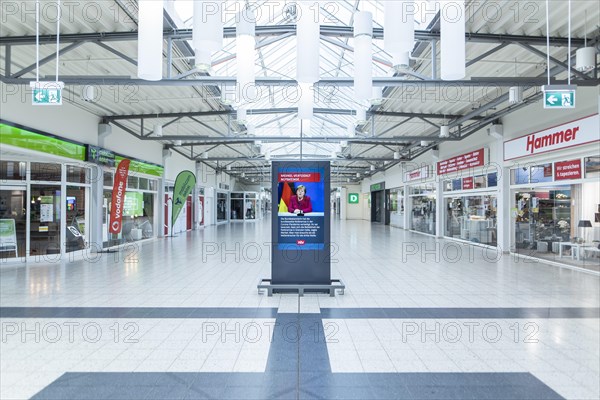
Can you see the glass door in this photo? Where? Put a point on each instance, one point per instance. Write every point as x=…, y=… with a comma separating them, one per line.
x=13, y=221
x=75, y=224
x=45, y=223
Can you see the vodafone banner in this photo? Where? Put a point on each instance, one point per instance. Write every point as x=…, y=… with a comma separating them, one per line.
x=118, y=197
x=575, y=133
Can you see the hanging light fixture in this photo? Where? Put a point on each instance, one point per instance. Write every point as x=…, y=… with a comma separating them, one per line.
x=363, y=55
x=207, y=33
x=396, y=155
x=377, y=96
x=358, y=174
x=361, y=116
x=399, y=31
x=424, y=143
x=246, y=48
x=343, y=144
x=307, y=48
x=150, y=39
x=586, y=59
x=241, y=116
x=515, y=95
x=586, y=56
x=305, y=104
x=444, y=131
x=351, y=130
x=453, y=52
x=228, y=95
x=158, y=130
x=88, y=93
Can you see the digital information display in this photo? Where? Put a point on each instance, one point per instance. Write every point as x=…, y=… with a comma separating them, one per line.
x=300, y=227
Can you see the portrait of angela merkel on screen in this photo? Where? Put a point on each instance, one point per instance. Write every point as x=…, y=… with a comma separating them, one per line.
x=300, y=203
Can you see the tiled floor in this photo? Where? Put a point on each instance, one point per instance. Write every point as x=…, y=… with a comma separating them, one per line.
x=181, y=318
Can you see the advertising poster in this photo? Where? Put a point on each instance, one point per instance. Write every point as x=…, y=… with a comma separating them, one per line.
x=47, y=209
x=300, y=227
x=301, y=208
x=8, y=235
x=184, y=184
x=118, y=197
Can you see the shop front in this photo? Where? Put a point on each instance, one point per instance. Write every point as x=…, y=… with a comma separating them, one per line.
x=470, y=197
x=222, y=207
x=555, y=194
x=44, y=203
x=421, y=189
x=396, y=201
x=140, y=205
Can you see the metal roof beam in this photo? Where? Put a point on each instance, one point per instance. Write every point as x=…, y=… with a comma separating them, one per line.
x=329, y=81
x=277, y=30
x=199, y=140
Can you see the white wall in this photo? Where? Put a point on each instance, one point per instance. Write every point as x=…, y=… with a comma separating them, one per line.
x=351, y=211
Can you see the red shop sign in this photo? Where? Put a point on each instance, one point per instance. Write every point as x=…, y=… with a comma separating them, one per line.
x=464, y=161
x=467, y=183
x=567, y=170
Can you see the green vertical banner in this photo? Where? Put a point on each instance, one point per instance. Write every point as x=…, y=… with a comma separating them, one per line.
x=185, y=182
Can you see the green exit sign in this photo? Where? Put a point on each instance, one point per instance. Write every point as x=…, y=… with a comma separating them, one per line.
x=352, y=198
x=559, y=96
x=46, y=93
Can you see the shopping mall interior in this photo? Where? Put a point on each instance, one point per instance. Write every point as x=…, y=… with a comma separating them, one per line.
x=299, y=200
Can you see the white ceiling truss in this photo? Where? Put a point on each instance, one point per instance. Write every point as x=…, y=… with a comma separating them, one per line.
x=506, y=46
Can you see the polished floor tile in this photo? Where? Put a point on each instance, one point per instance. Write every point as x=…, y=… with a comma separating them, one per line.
x=183, y=319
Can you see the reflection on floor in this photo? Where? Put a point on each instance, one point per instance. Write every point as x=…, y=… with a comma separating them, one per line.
x=181, y=318
x=589, y=259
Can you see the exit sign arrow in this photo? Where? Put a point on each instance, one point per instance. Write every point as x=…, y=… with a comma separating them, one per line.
x=559, y=96
x=46, y=93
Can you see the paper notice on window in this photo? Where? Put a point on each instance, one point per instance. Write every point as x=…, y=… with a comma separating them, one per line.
x=46, y=212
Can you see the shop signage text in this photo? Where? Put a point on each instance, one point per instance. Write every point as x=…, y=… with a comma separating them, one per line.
x=377, y=187
x=421, y=173
x=574, y=133
x=565, y=170
x=464, y=161
x=352, y=198
x=118, y=197
x=467, y=183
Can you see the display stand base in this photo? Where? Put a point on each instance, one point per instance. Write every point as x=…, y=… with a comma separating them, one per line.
x=336, y=284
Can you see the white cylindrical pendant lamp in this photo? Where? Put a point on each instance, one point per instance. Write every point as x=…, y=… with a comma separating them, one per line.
x=246, y=45
x=396, y=155
x=158, y=130
x=376, y=96
x=150, y=39
x=444, y=131
x=88, y=93
x=586, y=59
x=399, y=26
x=361, y=116
x=207, y=33
x=241, y=116
x=351, y=130
x=307, y=48
x=305, y=104
x=453, y=52
x=363, y=55
x=401, y=60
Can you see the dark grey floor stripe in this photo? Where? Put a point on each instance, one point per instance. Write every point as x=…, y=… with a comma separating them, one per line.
x=342, y=313
x=135, y=312
x=462, y=313
x=282, y=385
